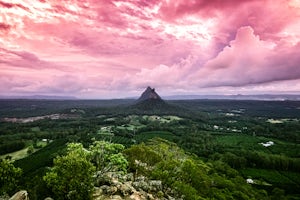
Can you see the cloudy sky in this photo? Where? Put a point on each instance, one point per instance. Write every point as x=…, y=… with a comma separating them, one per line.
x=115, y=48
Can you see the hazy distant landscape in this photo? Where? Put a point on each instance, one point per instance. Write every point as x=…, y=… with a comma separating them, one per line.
x=262, y=97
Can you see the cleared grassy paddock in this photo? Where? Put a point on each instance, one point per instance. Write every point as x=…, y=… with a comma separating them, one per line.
x=241, y=141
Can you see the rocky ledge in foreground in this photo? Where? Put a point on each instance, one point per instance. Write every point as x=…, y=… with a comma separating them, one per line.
x=127, y=187
x=115, y=186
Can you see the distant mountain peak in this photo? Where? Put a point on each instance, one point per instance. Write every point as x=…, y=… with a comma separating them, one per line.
x=149, y=93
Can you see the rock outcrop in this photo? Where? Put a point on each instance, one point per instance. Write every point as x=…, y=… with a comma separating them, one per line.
x=149, y=93
x=150, y=103
x=119, y=186
x=21, y=195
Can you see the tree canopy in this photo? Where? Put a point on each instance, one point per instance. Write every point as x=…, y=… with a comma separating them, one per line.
x=9, y=176
x=72, y=176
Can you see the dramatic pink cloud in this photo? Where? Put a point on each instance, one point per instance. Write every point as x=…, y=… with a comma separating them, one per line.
x=115, y=48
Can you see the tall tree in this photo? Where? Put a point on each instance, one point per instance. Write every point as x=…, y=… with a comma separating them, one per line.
x=108, y=157
x=9, y=176
x=71, y=177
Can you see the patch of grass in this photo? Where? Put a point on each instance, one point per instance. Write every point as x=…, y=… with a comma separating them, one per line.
x=40, y=158
x=238, y=141
x=247, y=142
x=17, y=154
x=35, y=129
x=41, y=144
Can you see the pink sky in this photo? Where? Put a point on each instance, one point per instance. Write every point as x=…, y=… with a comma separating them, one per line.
x=115, y=48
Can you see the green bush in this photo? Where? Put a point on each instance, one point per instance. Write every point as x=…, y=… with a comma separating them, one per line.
x=71, y=175
x=9, y=176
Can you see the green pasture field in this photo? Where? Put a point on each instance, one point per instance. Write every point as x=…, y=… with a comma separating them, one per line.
x=16, y=155
x=41, y=158
x=241, y=141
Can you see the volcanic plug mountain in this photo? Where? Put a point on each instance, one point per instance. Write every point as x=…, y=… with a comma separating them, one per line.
x=149, y=93
x=151, y=101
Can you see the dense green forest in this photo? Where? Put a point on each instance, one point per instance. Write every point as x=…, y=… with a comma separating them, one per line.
x=194, y=149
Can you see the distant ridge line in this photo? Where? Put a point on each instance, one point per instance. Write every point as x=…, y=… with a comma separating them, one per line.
x=261, y=97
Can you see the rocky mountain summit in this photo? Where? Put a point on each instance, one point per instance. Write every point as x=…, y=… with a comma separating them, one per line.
x=151, y=103
x=149, y=93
